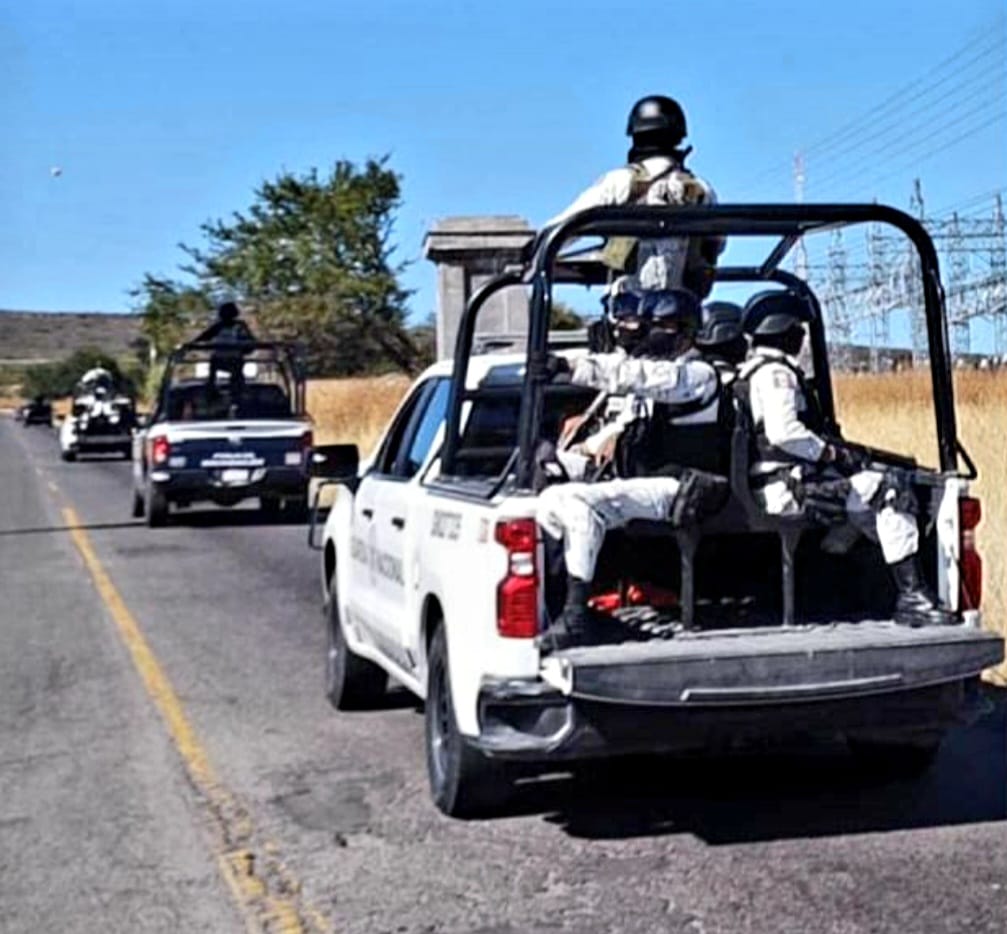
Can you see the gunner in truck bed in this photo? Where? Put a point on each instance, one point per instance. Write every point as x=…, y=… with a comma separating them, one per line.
x=795, y=468
x=668, y=373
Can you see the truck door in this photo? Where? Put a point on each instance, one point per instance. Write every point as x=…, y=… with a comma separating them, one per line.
x=381, y=520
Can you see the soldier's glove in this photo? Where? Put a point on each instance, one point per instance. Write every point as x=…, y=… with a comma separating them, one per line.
x=557, y=368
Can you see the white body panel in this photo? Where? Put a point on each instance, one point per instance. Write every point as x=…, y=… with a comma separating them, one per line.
x=387, y=577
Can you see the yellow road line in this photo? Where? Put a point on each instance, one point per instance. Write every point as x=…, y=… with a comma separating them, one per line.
x=265, y=905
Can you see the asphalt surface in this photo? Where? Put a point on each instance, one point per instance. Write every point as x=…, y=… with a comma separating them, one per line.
x=100, y=827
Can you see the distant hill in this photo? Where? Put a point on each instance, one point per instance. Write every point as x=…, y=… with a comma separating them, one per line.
x=35, y=337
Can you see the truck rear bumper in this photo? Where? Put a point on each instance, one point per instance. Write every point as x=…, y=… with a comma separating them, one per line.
x=97, y=443
x=716, y=690
x=557, y=728
x=210, y=485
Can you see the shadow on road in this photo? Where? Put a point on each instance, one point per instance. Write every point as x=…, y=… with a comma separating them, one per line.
x=759, y=797
x=93, y=527
x=219, y=518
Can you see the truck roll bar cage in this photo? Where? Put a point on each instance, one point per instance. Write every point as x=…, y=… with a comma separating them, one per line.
x=547, y=265
x=285, y=354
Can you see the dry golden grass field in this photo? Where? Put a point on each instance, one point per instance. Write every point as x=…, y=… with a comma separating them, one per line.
x=892, y=411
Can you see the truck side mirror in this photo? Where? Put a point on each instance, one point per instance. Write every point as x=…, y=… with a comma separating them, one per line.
x=334, y=461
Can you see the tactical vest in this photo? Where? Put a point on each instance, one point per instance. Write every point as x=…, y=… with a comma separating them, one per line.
x=812, y=417
x=661, y=445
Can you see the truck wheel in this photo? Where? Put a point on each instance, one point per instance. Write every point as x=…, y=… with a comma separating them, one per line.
x=463, y=782
x=351, y=682
x=137, y=505
x=156, y=507
x=901, y=756
x=296, y=510
x=270, y=507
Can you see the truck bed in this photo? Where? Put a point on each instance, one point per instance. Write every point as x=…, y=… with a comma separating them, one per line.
x=774, y=665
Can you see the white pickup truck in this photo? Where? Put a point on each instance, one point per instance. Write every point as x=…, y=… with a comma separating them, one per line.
x=434, y=572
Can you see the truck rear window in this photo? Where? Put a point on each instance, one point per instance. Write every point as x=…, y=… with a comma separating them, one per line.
x=201, y=403
x=491, y=431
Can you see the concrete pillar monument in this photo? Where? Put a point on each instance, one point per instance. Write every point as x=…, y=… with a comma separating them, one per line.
x=467, y=252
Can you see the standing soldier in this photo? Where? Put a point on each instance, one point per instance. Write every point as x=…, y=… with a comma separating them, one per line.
x=794, y=467
x=227, y=330
x=655, y=174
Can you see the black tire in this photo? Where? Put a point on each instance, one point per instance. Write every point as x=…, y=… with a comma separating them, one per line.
x=127, y=451
x=351, y=682
x=138, y=505
x=463, y=782
x=68, y=456
x=156, y=506
x=269, y=506
x=296, y=510
x=906, y=756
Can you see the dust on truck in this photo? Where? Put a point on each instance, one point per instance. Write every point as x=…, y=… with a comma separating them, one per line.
x=434, y=570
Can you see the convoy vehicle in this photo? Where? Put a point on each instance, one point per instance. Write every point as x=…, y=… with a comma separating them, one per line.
x=101, y=419
x=36, y=412
x=229, y=425
x=434, y=569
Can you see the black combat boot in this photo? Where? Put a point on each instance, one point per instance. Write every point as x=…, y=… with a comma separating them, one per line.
x=573, y=626
x=915, y=606
x=700, y=496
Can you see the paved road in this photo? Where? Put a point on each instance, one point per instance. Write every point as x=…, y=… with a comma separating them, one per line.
x=101, y=822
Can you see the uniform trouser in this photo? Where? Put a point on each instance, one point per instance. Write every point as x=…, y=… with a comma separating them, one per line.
x=581, y=513
x=894, y=529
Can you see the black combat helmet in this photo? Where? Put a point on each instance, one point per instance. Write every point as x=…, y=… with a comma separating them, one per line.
x=228, y=312
x=674, y=317
x=659, y=115
x=773, y=313
x=721, y=324
x=667, y=308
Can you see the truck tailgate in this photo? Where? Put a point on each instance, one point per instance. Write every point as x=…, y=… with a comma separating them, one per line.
x=773, y=665
x=248, y=443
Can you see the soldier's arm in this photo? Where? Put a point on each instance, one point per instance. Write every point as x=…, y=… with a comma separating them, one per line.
x=209, y=334
x=612, y=188
x=673, y=381
x=778, y=392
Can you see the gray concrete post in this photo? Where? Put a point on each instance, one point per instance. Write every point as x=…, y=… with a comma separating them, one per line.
x=467, y=252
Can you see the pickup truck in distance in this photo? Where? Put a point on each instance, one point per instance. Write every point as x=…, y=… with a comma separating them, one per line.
x=435, y=572
x=229, y=425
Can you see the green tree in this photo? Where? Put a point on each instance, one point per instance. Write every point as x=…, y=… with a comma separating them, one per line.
x=564, y=318
x=60, y=377
x=171, y=311
x=313, y=256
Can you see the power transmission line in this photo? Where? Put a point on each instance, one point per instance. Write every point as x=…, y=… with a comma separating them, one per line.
x=866, y=127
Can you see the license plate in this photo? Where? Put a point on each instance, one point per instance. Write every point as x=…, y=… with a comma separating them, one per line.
x=234, y=475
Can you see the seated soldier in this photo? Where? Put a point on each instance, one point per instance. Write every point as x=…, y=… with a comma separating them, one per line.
x=587, y=441
x=668, y=371
x=795, y=468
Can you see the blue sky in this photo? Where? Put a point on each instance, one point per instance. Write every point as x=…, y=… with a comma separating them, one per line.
x=162, y=115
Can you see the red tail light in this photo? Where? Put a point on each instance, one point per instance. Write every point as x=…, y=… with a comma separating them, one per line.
x=160, y=448
x=971, y=564
x=307, y=441
x=517, y=595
